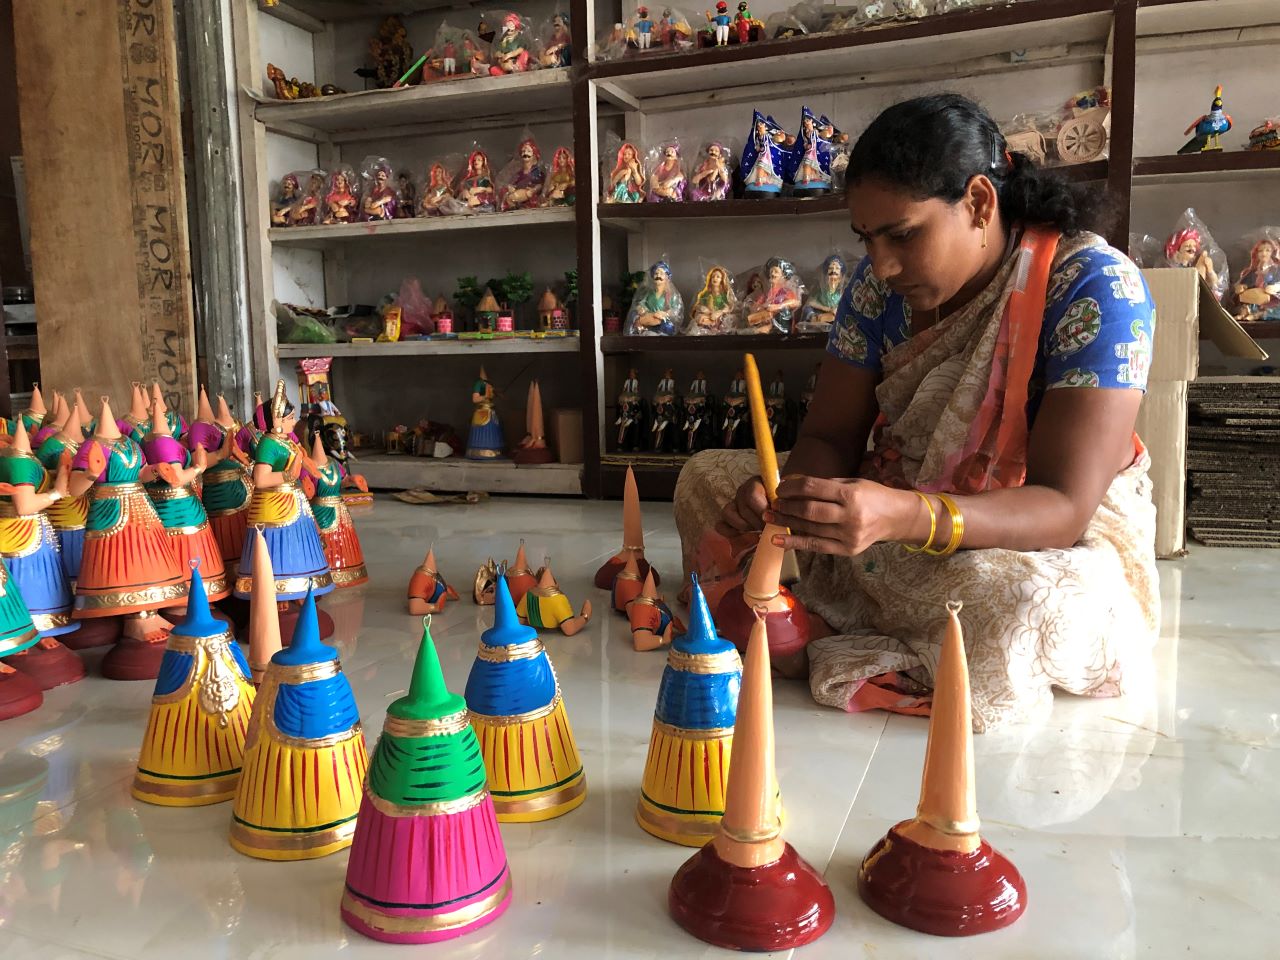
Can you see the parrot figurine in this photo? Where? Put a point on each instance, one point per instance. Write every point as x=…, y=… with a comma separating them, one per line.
x=1209, y=128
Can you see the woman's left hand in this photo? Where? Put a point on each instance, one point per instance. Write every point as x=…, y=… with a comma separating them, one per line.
x=840, y=516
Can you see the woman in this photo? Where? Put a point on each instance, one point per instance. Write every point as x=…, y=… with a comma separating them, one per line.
x=561, y=185
x=1018, y=407
x=1257, y=289
x=626, y=181
x=475, y=189
x=436, y=193
x=713, y=308
x=340, y=203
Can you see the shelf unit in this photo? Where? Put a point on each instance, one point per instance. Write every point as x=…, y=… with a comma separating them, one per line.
x=637, y=96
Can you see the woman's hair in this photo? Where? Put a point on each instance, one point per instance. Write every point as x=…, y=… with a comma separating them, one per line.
x=933, y=146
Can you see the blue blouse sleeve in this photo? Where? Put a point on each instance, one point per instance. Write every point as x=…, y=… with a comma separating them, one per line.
x=868, y=321
x=1099, y=323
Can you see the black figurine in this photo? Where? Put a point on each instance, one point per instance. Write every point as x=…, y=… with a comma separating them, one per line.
x=698, y=432
x=806, y=397
x=662, y=428
x=631, y=417
x=735, y=423
x=781, y=413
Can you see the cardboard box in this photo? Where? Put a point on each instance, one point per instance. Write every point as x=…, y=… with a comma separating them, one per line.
x=1185, y=308
x=566, y=435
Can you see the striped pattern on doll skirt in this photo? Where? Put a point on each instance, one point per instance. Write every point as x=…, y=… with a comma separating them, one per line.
x=683, y=791
x=131, y=567
x=532, y=767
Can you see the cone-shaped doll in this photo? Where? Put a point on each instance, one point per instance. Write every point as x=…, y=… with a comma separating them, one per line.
x=789, y=629
x=68, y=514
x=333, y=519
x=264, y=615
x=530, y=756
x=935, y=873
x=682, y=795
x=194, y=744
x=428, y=590
x=177, y=423
x=87, y=423
x=19, y=694
x=546, y=607
x=427, y=862
x=627, y=585
x=34, y=416
x=520, y=579
x=178, y=505
x=304, y=759
x=55, y=420
x=748, y=889
x=653, y=625
x=533, y=448
x=139, y=416
x=632, y=537
x=227, y=485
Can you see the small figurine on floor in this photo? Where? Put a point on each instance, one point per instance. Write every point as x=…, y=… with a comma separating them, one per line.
x=486, y=583
x=653, y=625
x=632, y=537
x=545, y=607
x=627, y=585
x=428, y=590
x=1208, y=128
x=520, y=578
x=533, y=448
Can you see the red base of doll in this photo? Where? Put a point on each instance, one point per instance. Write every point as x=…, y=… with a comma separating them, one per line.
x=527, y=456
x=789, y=630
x=19, y=694
x=609, y=572
x=132, y=659
x=941, y=892
x=289, y=620
x=778, y=906
x=94, y=632
x=48, y=663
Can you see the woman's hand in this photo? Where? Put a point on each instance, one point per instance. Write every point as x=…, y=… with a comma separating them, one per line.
x=743, y=513
x=842, y=517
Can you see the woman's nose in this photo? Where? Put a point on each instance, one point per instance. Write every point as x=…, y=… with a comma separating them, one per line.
x=883, y=264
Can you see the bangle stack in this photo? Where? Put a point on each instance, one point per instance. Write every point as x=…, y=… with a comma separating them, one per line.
x=957, y=527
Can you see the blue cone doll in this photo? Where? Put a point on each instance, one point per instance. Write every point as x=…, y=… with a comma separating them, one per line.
x=764, y=162
x=809, y=170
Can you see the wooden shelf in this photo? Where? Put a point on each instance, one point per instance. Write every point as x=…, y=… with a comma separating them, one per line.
x=305, y=13
x=323, y=236
x=455, y=474
x=732, y=343
x=429, y=348
x=1163, y=17
x=354, y=116
x=1191, y=167
x=1262, y=329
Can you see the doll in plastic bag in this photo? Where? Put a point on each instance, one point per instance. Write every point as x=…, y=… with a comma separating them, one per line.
x=450, y=55
x=474, y=189
x=712, y=178
x=286, y=198
x=1257, y=288
x=764, y=158
x=521, y=182
x=873, y=11
x=612, y=43
x=810, y=165
x=378, y=200
x=771, y=307
x=715, y=306
x=658, y=308
x=511, y=47
x=626, y=178
x=910, y=9
x=561, y=182
x=1191, y=245
x=838, y=143
x=819, y=310
x=341, y=202
x=947, y=6
x=406, y=196
x=1146, y=251
x=667, y=182
x=435, y=196
x=306, y=210
x=556, y=45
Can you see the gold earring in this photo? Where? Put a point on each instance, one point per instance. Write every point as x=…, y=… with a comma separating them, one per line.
x=982, y=225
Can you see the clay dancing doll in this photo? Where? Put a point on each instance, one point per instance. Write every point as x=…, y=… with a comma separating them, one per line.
x=427, y=588
x=379, y=200
x=652, y=623
x=819, y=310
x=340, y=203
x=520, y=579
x=562, y=183
x=227, y=483
x=485, y=440
x=136, y=424
x=510, y=49
x=475, y=189
x=810, y=166
x=68, y=514
x=19, y=694
x=627, y=585
x=485, y=586
x=771, y=309
x=630, y=420
x=1257, y=289
x=714, y=307
x=658, y=308
x=667, y=182
x=698, y=429
x=662, y=429
x=763, y=159
x=525, y=184
x=437, y=192
x=333, y=520
x=545, y=607
x=626, y=179
x=711, y=179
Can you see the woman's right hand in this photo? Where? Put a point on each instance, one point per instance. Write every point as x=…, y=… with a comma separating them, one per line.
x=742, y=513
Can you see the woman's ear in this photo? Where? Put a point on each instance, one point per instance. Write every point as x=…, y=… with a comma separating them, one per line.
x=982, y=199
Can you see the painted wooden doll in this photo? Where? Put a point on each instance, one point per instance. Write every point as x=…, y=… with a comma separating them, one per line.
x=333, y=519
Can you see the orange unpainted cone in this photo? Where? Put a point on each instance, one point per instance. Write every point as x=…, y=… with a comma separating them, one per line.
x=138, y=404
x=317, y=451
x=21, y=441
x=60, y=409
x=632, y=537
x=264, y=615
x=85, y=417
x=547, y=579
x=534, y=447
x=223, y=417
x=748, y=889
x=204, y=412
x=935, y=873
x=520, y=579
x=159, y=422
x=71, y=431
x=36, y=406
x=628, y=583
x=107, y=429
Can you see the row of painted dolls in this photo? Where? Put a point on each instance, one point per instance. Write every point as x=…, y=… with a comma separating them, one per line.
x=686, y=423
x=775, y=301
x=1255, y=293
x=102, y=523
x=773, y=161
x=519, y=45
x=452, y=185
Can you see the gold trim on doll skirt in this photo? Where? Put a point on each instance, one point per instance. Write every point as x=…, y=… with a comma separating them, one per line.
x=50, y=621
x=218, y=788
x=571, y=791
x=519, y=718
x=132, y=598
x=505, y=654
x=728, y=662
x=253, y=841
x=443, y=808
x=287, y=585
x=439, y=727
x=377, y=920
x=14, y=643
x=349, y=575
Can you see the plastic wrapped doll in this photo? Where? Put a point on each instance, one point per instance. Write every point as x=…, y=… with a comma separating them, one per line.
x=947, y=6
x=810, y=166
x=630, y=420
x=697, y=432
x=658, y=308
x=285, y=200
x=485, y=440
x=378, y=196
x=714, y=307
x=437, y=193
x=475, y=188
x=1257, y=289
x=626, y=179
x=763, y=159
x=406, y=196
x=612, y=43
x=306, y=210
x=819, y=310
x=910, y=8
x=771, y=308
x=711, y=178
x=340, y=202
x=445, y=54
x=280, y=508
x=735, y=423
x=839, y=145
x=673, y=31
x=667, y=182
x=662, y=426
x=511, y=48
x=557, y=45
x=337, y=531
x=872, y=11
x=562, y=183
x=522, y=181
x=1191, y=245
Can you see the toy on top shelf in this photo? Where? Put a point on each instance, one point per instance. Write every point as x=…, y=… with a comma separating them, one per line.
x=748, y=889
x=934, y=873
x=437, y=193
x=486, y=312
x=670, y=32
x=631, y=419
x=771, y=308
x=627, y=178
x=1265, y=136
x=1208, y=128
x=667, y=181
x=662, y=429
x=948, y=6
x=746, y=27
x=451, y=55
x=712, y=179
x=715, y=306
x=341, y=204
x=698, y=431
x=658, y=308
x=475, y=186
x=764, y=160
x=1191, y=245
x=485, y=440
x=442, y=315
x=406, y=196
x=561, y=183
x=511, y=48
x=720, y=23
x=521, y=182
x=68, y=514
x=819, y=310
x=378, y=197
x=632, y=537
x=913, y=9
x=391, y=51
x=1257, y=289
x=428, y=590
x=486, y=582
x=556, y=43
x=552, y=316
x=533, y=448
x=653, y=625
x=809, y=169
x=735, y=425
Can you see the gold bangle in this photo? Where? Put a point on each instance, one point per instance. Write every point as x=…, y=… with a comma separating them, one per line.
x=933, y=526
x=957, y=528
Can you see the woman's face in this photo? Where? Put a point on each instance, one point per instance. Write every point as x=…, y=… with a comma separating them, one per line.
x=775, y=276
x=477, y=163
x=1266, y=254
x=340, y=182
x=715, y=282
x=628, y=154
x=925, y=250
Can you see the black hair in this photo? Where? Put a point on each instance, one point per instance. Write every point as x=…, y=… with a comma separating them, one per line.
x=269, y=420
x=934, y=146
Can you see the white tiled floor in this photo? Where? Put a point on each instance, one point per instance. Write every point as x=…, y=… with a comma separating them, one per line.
x=1145, y=826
